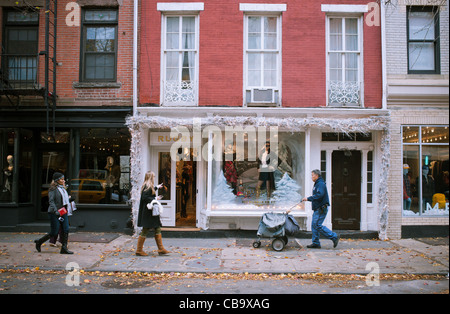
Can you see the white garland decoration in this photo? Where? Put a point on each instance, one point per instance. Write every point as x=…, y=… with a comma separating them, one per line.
x=137, y=124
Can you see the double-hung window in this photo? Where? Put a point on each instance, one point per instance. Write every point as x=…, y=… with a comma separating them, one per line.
x=344, y=42
x=19, y=61
x=180, y=60
x=262, y=53
x=262, y=60
x=99, y=45
x=423, y=40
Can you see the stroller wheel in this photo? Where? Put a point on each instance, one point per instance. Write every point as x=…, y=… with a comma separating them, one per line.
x=278, y=244
x=256, y=244
x=285, y=239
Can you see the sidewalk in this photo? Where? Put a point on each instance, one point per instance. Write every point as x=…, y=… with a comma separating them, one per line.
x=115, y=252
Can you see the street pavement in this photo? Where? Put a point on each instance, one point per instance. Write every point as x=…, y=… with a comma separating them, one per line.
x=115, y=253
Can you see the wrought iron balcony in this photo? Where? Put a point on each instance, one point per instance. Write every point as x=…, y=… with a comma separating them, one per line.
x=19, y=74
x=179, y=93
x=344, y=93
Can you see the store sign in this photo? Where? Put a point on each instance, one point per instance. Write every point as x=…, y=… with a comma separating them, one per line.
x=164, y=138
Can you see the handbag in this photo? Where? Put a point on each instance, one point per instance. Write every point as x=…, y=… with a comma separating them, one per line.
x=155, y=207
x=62, y=211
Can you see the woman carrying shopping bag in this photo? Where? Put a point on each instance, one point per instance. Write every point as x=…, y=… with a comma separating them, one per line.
x=146, y=220
x=58, y=200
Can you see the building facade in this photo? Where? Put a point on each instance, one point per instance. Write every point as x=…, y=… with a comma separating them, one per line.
x=417, y=62
x=66, y=88
x=214, y=92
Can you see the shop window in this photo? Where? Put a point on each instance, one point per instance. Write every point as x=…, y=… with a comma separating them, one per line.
x=252, y=181
x=103, y=173
x=7, y=143
x=425, y=170
x=25, y=165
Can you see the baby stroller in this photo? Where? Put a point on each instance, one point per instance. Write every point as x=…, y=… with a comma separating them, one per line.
x=276, y=226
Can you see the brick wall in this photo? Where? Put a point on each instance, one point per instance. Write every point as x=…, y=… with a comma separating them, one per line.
x=70, y=92
x=221, y=54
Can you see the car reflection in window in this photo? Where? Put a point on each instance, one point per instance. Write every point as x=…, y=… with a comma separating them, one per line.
x=90, y=191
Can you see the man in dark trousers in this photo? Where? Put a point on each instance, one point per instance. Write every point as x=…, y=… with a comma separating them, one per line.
x=320, y=203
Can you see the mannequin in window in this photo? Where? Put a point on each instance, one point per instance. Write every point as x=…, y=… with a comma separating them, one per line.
x=112, y=180
x=5, y=193
x=266, y=169
x=428, y=187
x=406, y=188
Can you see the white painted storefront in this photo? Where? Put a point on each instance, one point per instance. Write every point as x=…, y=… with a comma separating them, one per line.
x=311, y=139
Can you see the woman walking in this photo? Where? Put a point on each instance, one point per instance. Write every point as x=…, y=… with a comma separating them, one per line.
x=145, y=218
x=58, y=200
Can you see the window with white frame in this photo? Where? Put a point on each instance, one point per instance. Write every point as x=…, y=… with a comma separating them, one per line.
x=344, y=60
x=180, y=60
x=262, y=44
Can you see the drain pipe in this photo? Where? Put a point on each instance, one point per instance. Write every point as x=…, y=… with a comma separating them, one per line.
x=135, y=55
x=383, y=54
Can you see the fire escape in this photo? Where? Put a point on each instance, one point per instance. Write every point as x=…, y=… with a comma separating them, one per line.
x=21, y=69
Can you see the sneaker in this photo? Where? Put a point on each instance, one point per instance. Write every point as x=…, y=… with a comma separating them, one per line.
x=336, y=241
x=313, y=246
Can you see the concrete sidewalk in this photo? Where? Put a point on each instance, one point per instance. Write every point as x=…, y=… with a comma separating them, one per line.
x=115, y=252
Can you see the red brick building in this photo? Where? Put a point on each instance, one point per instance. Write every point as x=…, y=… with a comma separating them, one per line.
x=66, y=88
x=312, y=71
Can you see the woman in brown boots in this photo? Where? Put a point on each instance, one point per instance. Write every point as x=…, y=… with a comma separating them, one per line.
x=145, y=218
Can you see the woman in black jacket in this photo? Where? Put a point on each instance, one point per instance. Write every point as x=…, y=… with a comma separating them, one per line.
x=145, y=218
x=57, y=199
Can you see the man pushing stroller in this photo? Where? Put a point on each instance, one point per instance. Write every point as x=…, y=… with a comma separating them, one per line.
x=320, y=203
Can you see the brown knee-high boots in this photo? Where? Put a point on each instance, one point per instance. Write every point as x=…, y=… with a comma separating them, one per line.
x=161, y=249
x=140, y=246
x=158, y=240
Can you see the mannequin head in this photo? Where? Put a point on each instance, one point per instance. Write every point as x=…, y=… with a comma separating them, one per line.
x=405, y=169
x=109, y=161
x=9, y=159
x=425, y=170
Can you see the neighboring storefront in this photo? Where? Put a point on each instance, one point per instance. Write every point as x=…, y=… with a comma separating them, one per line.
x=215, y=175
x=94, y=156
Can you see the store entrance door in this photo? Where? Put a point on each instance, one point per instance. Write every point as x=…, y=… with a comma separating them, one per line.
x=165, y=172
x=346, y=190
x=180, y=188
x=186, y=193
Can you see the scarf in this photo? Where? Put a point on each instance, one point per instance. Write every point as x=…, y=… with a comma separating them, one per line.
x=65, y=196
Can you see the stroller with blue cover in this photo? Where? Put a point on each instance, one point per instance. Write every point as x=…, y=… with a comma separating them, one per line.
x=276, y=226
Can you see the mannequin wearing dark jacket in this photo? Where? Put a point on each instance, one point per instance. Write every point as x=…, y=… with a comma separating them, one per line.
x=57, y=199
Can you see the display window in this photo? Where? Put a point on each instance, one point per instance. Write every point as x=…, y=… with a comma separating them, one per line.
x=259, y=176
x=425, y=170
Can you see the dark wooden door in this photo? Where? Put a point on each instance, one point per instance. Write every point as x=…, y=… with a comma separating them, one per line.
x=346, y=190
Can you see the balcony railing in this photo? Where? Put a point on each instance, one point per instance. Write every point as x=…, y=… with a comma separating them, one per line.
x=19, y=74
x=344, y=93
x=179, y=93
